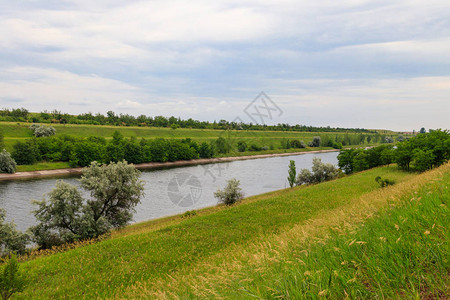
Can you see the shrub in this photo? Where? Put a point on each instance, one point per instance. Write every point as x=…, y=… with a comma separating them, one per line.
x=206, y=150
x=11, y=239
x=115, y=190
x=42, y=131
x=254, y=147
x=320, y=172
x=316, y=142
x=384, y=182
x=11, y=279
x=7, y=163
x=297, y=144
x=26, y=153
x=242, y=146
x=291, y=173
x=231, y=194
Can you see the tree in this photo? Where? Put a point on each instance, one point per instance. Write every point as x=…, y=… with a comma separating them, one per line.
x=42, y=131
x=241, y=146
x=205, y=150
x=11, y=239
x=231, y=194
x=422, y=130
x=7, y=163
x=315, y=142
x=11, y=279
x=292, y=173
x=320, y=172
x=114, y=189
x=25, y=153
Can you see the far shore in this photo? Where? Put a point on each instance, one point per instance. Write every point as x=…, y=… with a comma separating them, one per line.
x=152, y=165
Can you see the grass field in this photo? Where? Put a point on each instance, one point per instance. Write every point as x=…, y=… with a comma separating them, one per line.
x=273, y=245
x=18, y=131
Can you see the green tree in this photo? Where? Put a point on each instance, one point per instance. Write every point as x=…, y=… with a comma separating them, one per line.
x=11, y=279
x=114, y=189
x=7, y=163
x=241, y=146
x=292, y=173
x=26, y=153
x=231, y=194
x=11, y=239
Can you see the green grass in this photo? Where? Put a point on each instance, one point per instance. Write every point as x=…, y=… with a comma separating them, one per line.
x=43, y=166
x=115, y=266
x=17, y=131
x=403, y=252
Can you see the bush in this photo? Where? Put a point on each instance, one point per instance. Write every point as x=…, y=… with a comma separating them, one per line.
x=320, y=172
x=11, y=239
x=384, y=182
x=297, y=144
x=316, y=142
x=114, y=190
x=42, y=131
x=231, y=194
x=26, y=153
x=242, y=146
x=206, y=150
x=7, y=163
x=254, y=147
x=11, y=279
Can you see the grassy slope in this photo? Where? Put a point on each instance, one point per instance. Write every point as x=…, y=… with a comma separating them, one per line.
x=14, y=132
x=111, y=267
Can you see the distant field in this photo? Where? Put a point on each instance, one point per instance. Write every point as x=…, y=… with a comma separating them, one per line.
x=260, y=248
x=17, y=131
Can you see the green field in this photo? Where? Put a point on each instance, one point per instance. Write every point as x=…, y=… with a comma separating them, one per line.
x=14, y=132
x=276, y=245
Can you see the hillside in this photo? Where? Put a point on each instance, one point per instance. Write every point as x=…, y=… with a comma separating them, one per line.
x=257, y=248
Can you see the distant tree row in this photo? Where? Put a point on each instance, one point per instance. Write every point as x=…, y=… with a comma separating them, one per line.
x=111, y=118
x=420, y=153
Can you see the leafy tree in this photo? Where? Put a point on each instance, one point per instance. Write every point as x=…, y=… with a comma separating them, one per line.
x=11, y=279
x=231, y=194
x=423, y=159
x=222, y=146
x=345, y=160
x=360, y=161
x=388, y=139
x=205, y=150
x=26, y=153
x=11, y=239
x=320, y=172
x=316, y=142
x=297, y=144
x=7, y=163
x=114, y=189
x=242, y=146
x=292, y=173
x=422, y=130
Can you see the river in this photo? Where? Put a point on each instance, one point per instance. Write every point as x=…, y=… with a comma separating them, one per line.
x=170, y=191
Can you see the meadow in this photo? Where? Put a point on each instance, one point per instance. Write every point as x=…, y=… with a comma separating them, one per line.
x=271, y=140
x=346, y=237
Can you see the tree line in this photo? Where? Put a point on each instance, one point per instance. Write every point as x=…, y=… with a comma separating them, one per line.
x=111, y=118
x=420, y=153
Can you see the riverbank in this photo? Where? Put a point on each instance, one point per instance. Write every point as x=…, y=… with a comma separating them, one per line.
x=152, y=165
x=263, y=246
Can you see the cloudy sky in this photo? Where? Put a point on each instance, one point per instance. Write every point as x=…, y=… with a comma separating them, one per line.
x=348, y=63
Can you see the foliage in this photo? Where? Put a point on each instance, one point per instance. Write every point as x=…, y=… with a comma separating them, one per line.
x=42, y=131
x=388, y=139
x=26, y=153
x=320, y=172
x=189, y=214
x=297, y=144
x=355, y=160
x=231, y=194
x=384, y=182
x=424, y=151
x=222, y=146
x=292, y=173
x=241, y=146
x=11, y=279
x=7, y=163
x=316, y=142
x=114, y=191
x=206, y=150
x=11, y=239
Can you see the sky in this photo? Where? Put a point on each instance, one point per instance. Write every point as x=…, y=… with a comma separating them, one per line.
x=349, y=63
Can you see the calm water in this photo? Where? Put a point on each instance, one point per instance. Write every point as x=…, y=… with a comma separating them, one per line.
x=170, y=191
